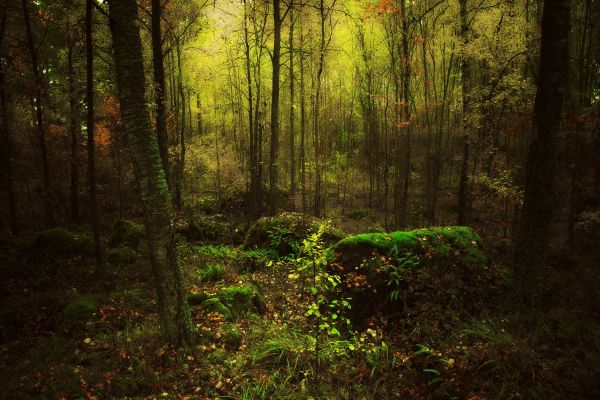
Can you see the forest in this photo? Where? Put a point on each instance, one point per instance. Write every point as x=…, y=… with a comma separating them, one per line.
x=300, y=199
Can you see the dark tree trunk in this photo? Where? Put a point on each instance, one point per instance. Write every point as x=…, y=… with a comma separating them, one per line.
x=174, y=314
x=302, y=127
x=292, y=113
x=534, y=232
x=159, y=86
x=274, y=151
x=91, y=145
x=6, y=148
x=74, y=132
x=39, y=114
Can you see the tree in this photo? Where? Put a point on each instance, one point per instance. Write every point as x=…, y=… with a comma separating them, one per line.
x=174, y=314
x=274, y=151
x=534, y=232
x=91, y=145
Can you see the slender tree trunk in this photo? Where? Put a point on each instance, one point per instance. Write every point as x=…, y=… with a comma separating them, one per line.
x=91, y=145
x=292, y=112
x=535, y=228
x=6, y=146
x=159, y=86
x=302, y=127
x=463, y=189
x=74, y=131
x=39, y=113
x=182, y=149
x=274, y=150
x=174, y=314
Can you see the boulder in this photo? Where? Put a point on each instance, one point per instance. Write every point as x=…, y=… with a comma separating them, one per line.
x=126, y=233
x=81, y=308
x=205, y=230
x=231, y=301
x=284, y=233
x=122, y=256
x=61, y=242
x=392, y=272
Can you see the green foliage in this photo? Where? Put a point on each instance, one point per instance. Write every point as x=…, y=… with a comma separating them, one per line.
x=211, y=272
x=81, y=308
x=122, y=255
x=232, y=337
x=214, y=304
x=204, y=230
x=217, y=251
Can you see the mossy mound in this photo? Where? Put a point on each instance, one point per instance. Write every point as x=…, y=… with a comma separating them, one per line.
x=232, y=337
x=397, y=273
x=231, y=301
x=284, y=233
x=122, y=256
x=211, y=272
x=126, y=233
x=205, y=230
x=59, y=241
x=81, y=308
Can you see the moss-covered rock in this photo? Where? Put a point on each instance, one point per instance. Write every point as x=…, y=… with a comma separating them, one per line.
x=214, y=304
x=231, y=301
x=211, y=272
x=122, y=256
x=81, y=308
x=126, y=233
x=284, y=233
x=232, y=337
x=392, y=272
x=59, y=241
x=205, y=230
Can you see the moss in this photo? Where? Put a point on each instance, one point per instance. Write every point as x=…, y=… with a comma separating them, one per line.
x=127, y=233
x=284, y=232
x=214, y=304
x=211, y=272
x=242, y=299
x=81, y=308
x=232, y=337
x=59, y=241
x=441, y=240
x=122, y=256
x=204, y=230
x=196, y=299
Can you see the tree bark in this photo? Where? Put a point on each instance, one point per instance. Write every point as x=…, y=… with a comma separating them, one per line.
x=292, y=112
x=534, y=231
x=274, y=150
x=463, y=189
x=73, y=130
x=159, y=86
x=174, y=314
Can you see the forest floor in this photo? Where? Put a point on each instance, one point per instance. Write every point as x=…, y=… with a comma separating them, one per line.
x=269, y=350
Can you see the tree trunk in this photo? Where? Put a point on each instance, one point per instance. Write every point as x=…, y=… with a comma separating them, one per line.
x=463, y=189
x=534, y=231
x=174, y=314
x=274, y=151
x=90, y=132
x=292, y=112
x=159, y=86
x=73, y=131
x=6, y=148
x=39, y=113
x=302, y=127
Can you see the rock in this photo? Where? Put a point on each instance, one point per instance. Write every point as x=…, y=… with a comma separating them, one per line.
x=391, y=272
x=196, y=299
x=81, y=308
x=231, y=301
x=214, y=304
x=122, y=256
x=126, y=233
x=61, y=242
x=284, y=233
x=205, y=230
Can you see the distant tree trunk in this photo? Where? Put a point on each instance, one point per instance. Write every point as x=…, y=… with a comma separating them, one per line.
x=302, y=126
x=6, y=148
x=406, y=97
x=91, y=145
x=274, y=151
x=199, y=115
x=174, y=314
x=39, y=113
x=316, y=119
x=73, y=130
x=181, y=164
x=463, y=189
x=292, y=112
x=534, y=231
